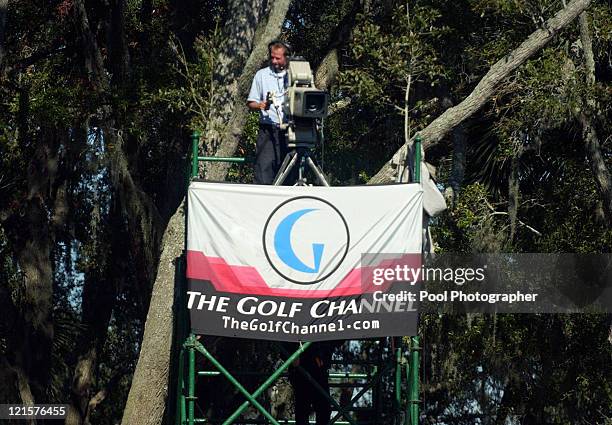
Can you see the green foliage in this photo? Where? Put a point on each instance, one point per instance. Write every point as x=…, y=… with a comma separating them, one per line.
x=191, y=90
x=309, y=26
x=472, y=225
x=54, y=143
x=243, y=172
x=571, y=222
x=529, y=354
x=386, y=54
x=12, y=165
x=48, y=91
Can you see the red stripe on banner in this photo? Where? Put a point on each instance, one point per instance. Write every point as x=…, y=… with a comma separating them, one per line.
x=247, y=280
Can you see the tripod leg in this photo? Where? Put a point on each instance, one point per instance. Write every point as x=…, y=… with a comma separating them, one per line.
x=286, y=167
x=301, y=181
x=317, y=171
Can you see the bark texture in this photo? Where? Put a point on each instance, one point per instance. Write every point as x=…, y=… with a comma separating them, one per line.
x=326, y=71
x=150, y=383
x=138, y=223
x=119, y=54
x=32, y=237
x=250, y=45
x=91, y=52
x=600, y=171
x=243, y=54
x=455, y=181
x=487, y=86
x=513, y=193
x=3, y=10
x=601, y=174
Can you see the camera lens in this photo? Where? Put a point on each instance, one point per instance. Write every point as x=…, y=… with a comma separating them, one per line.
x=315, y=102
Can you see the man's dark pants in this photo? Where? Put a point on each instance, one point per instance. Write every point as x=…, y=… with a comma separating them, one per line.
x=309, y=398
x=316, y=360
x=271, y=150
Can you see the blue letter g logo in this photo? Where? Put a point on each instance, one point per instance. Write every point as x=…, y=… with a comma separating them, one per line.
x=284, y=250
x=298, y=227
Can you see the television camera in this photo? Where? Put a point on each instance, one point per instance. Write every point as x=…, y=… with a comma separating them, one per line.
x=305, y=107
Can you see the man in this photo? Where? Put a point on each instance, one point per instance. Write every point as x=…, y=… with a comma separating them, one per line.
x=316, y=360
x=266, y=96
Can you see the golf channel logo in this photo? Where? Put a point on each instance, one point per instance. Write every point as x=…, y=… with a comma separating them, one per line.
x=305, y=239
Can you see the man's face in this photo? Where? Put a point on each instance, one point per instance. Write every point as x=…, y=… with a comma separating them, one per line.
x=278, y=59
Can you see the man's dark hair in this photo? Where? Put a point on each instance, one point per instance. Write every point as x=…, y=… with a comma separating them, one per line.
x=277, y=44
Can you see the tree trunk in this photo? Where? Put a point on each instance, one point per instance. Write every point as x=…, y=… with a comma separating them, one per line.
x=150, y=384
x=32, y=237
x=142, y=216
x=240, y=30
x=455, y=181
x=487, y=86
x=513, y=193
x=131, y=206
x=90, y=51
x=119, y=55
x=149, y=388
x=3, y=11
x=25, y=392
x=326, y=72
x=101, y=395
x=99, y=299
x=133, y=213
x=232, y=114
x=601, y=174
x=82, y=382
x=587, y=48
x=139, y=217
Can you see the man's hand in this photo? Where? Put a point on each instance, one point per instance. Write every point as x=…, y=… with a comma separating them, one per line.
x=257, y=106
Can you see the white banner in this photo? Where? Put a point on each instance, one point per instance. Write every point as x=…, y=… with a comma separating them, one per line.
x=296, y=242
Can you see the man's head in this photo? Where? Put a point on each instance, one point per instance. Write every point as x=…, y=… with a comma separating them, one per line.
x=279, y=55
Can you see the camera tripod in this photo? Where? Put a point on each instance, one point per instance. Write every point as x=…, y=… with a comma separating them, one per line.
x=299, y=156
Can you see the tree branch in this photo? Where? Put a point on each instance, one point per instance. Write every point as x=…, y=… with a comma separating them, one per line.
x=119, y=54
x=487, y=86
x=101, y=395
x=91, y=52
x=150, y=383
x=326, y=71
x=494, y=213
x=3, y=10
x=601, y=174
x=232, y=120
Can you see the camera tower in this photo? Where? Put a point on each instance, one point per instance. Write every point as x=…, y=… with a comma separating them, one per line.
x=393, y=361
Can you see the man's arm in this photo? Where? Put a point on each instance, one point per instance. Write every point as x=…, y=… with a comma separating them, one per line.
x=254, y=101
x=257, y=106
